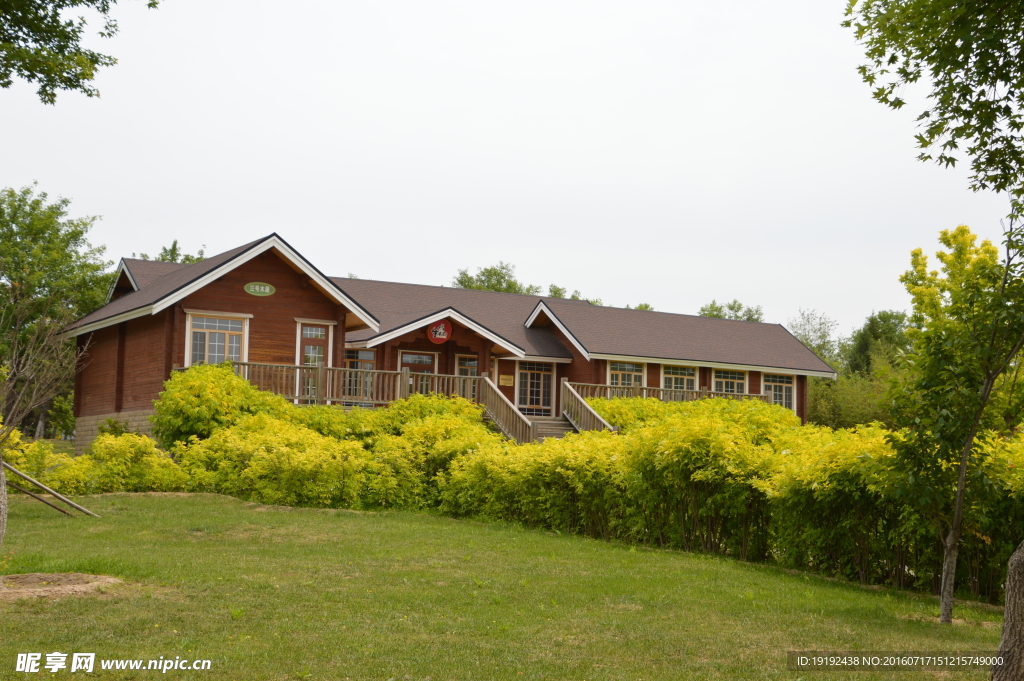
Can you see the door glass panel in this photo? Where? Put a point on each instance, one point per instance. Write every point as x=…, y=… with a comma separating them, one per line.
x=313, y=355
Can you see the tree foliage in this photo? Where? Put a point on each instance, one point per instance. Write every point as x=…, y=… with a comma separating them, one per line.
x=732, y=310
x=969, y=53
x=45, y=256
x=41, y=44
x=173, y=253
x=500, y=277
x=967, y=329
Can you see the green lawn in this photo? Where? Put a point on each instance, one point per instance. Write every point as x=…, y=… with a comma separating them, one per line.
x=307, y=594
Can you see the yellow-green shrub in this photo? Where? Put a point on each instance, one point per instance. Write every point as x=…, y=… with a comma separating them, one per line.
x=196, y=402
x=694, y=479
x=132, y=463
x=61, y=472
x=570, y=484
x=276, y=461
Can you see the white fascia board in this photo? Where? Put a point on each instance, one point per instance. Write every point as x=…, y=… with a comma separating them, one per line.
x=329, y=287
x=715, y=365
x=541, y=307
x=109, y=321
x=121, y=267
x=445, y=314
x=349, y=345
x=539, y=358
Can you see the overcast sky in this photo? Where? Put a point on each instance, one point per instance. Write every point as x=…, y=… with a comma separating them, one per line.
x=668, y=153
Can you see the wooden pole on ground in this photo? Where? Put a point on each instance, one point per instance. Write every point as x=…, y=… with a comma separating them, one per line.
x=37, y=497
x=48, y=490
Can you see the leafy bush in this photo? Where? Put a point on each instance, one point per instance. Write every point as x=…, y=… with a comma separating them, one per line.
x=570, y=485
x=63, y=473
x=274, y=461
x=132, y=463
x=197, y=402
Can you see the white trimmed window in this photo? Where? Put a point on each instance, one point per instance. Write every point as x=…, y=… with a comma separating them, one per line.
x=730, y=381
x=779, y=389
x=626, y=374
x=213, y=340
x=679, y=378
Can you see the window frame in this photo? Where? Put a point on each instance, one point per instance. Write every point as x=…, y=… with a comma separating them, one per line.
x=212, y=314
x=554, y=389
x=299, y=323
x=765, y=383
x=433, y=367
x=696, y=376
x=643, y=373
x=746, y=381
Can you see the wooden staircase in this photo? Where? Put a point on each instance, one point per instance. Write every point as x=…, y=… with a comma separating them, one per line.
x=546, y=427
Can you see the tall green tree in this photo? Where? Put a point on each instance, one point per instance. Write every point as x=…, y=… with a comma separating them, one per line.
x=41, y=42
x=967, y=329
x=732, y=310
x=968, y=55
x=882, y=338
x=45, y=257
x=49, y=274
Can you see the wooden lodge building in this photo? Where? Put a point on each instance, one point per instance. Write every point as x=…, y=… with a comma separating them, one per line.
x=331, y=340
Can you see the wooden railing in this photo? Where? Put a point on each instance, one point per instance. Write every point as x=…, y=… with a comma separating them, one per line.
x=588, y=390
x=324, y=385
x=371, y=388
x=580, y=414
x=505, y=414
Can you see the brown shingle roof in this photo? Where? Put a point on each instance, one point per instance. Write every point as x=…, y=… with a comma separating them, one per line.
x=663, y=335
x=397, y=305
x=159, y=286
x=145, y=272
x=601, y=330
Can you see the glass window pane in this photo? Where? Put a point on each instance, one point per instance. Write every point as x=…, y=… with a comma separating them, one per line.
x=215, y=348
x=235, y=348
x=467, y=361
x=313, y=355
x=314, y=332
x=198, y=347
x=410, y=358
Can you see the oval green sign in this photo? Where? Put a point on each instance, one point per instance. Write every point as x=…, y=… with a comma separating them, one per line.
x=259, y=288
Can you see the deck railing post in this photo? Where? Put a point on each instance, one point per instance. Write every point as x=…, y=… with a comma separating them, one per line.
x=403, y=390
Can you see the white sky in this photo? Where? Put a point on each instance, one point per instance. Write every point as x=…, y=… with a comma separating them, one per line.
x=667, y=153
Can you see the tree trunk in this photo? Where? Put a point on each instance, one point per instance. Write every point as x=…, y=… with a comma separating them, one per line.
x=948, y=583
x=1011, y=647
x=41, y=423
x=3, y=502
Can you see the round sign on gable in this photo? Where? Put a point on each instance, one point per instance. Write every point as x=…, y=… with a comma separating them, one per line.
x=259, y=288
x=439, y=332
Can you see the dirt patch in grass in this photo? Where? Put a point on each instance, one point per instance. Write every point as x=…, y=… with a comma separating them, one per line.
x=51, y=585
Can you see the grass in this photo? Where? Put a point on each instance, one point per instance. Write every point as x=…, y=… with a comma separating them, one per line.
x=306, y=594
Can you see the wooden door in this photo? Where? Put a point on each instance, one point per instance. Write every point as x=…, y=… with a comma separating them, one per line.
x=418, y=363
x=313, y=339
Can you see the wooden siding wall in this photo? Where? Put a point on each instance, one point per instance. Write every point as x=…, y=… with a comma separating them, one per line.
x=754, y=382
x=143, y=360
x=507, y=368
x=801, y=398
x=272, y=326
x=95, y=384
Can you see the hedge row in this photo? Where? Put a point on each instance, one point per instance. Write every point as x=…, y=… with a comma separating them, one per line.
x=740, y=478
